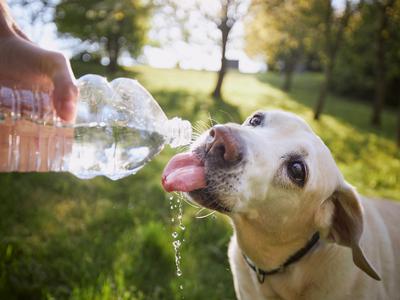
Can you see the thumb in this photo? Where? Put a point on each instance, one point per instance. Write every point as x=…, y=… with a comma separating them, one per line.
x=65, y=91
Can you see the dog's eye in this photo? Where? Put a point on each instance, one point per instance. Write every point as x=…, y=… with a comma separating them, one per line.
x=256, y=120
x=297, y=172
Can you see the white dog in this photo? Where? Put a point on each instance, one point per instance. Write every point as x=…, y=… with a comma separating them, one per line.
x=301, y=231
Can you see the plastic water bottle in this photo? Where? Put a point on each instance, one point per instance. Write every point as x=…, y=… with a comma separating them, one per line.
x=118, y=129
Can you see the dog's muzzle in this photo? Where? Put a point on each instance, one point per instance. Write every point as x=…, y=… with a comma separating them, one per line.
x=223, y=147
x=191, y=171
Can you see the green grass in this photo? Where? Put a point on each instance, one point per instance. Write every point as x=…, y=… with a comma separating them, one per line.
x=64, y=238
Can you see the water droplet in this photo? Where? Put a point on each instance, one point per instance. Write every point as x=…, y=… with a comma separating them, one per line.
x=182, y=227
x=179, y=273
x=181, y=287
x=176, y=245
x=171, y=198
x=175, y=235
x=172, y=220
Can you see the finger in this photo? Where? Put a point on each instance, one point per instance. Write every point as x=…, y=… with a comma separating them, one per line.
x=20, y=33
x=6, y=20
x=65, y=91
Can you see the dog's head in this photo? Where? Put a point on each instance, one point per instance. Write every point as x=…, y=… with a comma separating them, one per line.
x=274, y=173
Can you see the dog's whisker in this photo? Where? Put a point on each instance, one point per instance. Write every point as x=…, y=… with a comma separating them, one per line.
x=212, y=121
x=201, y=126
x=183, y=148
x=188, y=201
x=195, y=136
x=231, y=119
x=206, y=215
x=199, y=211
x=198, y=216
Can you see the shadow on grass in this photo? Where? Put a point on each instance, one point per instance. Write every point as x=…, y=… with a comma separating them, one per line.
x=195, y=107
x=81, y=68
x=354, y=112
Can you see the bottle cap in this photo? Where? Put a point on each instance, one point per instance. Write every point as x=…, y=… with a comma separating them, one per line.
x=178, y=132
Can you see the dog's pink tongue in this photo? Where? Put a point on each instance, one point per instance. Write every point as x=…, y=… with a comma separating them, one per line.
x=184, y=173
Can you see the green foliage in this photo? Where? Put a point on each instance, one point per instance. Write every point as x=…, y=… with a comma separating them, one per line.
x=355, y=72
x=64, y=238
x=114, y=25
x=279, y=30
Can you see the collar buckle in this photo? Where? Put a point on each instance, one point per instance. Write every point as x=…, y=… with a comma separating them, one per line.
x=260, y=275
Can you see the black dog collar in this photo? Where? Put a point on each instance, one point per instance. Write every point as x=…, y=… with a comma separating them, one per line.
x=292, y=259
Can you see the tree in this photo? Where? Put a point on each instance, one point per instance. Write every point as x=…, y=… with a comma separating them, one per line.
x=333, y=27
x=279, y=31
x=213, y=20
x=115, y=26
x=398, y=125
x=230, y=13
x=367, y=63
x=383, y=9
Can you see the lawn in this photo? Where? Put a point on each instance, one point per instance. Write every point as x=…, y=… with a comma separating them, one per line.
x=64, y=238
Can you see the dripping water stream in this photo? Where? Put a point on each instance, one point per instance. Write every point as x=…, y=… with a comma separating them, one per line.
x=176, y=208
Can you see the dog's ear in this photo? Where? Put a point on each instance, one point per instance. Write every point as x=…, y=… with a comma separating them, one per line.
x=347, y=225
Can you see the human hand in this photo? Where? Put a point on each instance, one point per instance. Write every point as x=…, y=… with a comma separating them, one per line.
x=24, y=62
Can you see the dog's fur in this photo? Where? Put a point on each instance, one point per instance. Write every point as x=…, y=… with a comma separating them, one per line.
x=273, y=217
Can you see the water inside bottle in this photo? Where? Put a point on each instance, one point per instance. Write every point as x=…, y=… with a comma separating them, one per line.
x=87, y=150
x=26, y=146
x=113, y=151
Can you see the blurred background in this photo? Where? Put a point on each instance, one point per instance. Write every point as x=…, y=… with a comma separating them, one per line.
x=334, y=62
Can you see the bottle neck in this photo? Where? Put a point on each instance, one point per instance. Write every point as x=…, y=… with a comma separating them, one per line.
x=177, y=132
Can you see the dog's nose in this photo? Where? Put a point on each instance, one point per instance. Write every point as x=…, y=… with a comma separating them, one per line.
x=223, y=143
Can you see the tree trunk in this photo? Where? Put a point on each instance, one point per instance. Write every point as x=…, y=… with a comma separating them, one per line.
x=225, y=29
x=288, y=71
x=217, y=94
x=333, y=44
x=113, y=49
x=380, y=74
x=398, y=125
x=113, y=65
x=319, y=106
